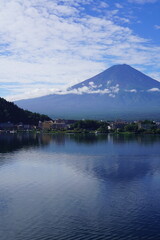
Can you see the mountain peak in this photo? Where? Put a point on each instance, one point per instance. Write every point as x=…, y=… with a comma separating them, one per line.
x=122, y=75
x=121, y=65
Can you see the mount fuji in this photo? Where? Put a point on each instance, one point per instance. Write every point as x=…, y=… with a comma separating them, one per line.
x=120, y=92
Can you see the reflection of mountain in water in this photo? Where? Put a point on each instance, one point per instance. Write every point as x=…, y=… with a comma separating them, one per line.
x=116, y=168
x=122, y=169
x=106, y=157
x=117, y=165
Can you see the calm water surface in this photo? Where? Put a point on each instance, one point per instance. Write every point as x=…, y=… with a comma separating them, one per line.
x=79, y=187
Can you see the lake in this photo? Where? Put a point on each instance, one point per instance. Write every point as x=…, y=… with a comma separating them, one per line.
x=75, y=187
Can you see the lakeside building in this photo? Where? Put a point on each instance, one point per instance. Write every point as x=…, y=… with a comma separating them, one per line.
x=117, y=125
x=22, y=126
x=59, y=124
x=46, y=125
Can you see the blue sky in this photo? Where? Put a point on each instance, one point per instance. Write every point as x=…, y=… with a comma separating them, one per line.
x=47, y=45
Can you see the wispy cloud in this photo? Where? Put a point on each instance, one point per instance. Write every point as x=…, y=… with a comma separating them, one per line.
x=143, y=1
x=60, y=42
x=118, y=5
x=157, y=27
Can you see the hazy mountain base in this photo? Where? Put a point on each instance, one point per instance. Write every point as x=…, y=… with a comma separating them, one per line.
x=129, y=106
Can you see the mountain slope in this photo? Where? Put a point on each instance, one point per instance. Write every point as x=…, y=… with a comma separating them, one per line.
x=119, y=92
x=9, y=112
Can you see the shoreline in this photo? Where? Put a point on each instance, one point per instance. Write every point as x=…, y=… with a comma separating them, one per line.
x=84, y=132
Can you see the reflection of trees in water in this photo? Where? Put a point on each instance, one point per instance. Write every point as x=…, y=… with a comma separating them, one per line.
x=59, y=139
x=115, y=138
x=144, y=139
x=88, y=138
x=12, y=142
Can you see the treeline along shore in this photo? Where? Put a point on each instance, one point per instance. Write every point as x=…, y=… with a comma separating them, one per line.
x=84, y=126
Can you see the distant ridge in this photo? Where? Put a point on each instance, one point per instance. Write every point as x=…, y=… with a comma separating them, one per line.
x=118, y=92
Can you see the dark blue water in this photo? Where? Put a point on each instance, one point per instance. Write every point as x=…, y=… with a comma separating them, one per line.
x=79, y=187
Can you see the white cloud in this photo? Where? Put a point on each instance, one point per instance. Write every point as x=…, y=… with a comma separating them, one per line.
x=143, y=1
x=131, y=90
x=115, y=89
x=155, y=75
x=92, y=85
x=59, y=43
x=90, y=90
x=41, y=91
x=154, y=90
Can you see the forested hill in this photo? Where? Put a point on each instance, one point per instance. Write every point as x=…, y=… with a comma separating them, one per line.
x=9, y=112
